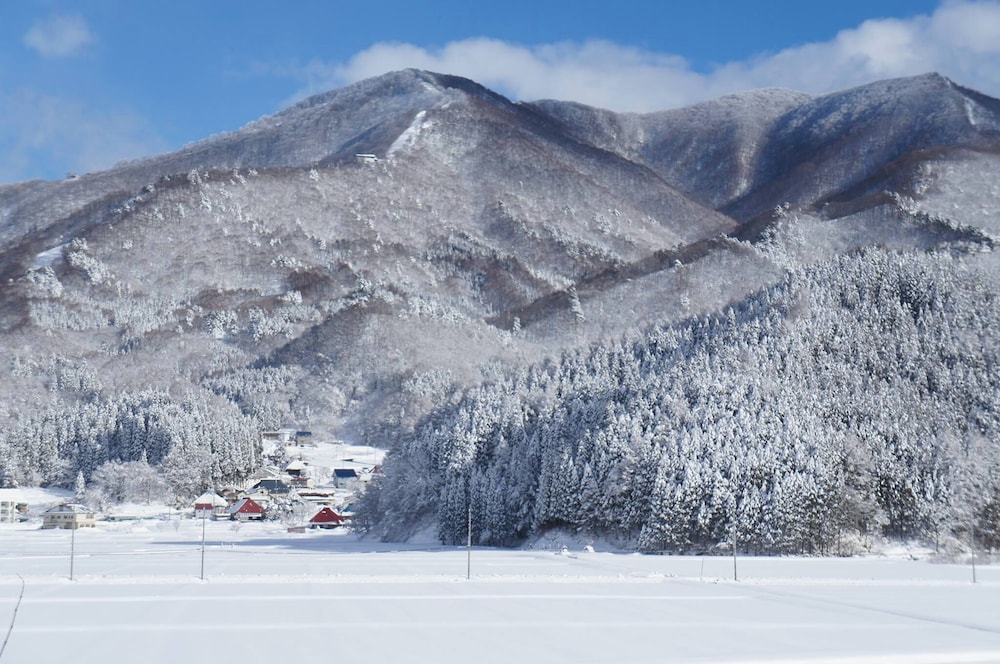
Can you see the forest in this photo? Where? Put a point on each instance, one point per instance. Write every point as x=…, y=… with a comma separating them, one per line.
x=137, y=446
x=855, y=399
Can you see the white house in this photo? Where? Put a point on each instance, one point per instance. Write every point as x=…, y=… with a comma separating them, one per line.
x=8, y=511
x=69, y=516
x=211, y=505
x=346, y=478
x=287, y=437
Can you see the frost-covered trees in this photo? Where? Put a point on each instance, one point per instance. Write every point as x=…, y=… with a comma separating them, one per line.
x=126, y=447
x=858, y=398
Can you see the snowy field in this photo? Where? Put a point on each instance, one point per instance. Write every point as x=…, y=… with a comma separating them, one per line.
x=269, y=595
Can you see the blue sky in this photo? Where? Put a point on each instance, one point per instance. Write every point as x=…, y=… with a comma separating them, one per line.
x=86, y=84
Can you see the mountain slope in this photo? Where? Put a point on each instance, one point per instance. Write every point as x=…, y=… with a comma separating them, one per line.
x=270, y=276
x=744, y=154
x=848, y=144
x=707, y=151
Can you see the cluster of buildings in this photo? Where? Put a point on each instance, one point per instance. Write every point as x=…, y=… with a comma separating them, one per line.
x=211, y=505
x=290, y=491
x=66, y=515
x=254, y=507
x=285, y=489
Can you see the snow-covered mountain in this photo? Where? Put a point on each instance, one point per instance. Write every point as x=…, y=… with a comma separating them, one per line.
x=355, y=262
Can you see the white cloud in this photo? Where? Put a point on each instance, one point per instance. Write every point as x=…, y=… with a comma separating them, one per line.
x=56, y=135
x=961, y=39
x=59, y=36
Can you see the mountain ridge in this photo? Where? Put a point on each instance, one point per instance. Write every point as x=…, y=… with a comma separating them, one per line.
x=277, y=277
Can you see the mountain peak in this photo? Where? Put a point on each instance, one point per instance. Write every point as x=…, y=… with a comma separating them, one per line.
x=403, y=83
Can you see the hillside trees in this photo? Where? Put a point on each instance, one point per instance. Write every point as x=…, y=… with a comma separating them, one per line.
x=120, y=442
x=835, y=405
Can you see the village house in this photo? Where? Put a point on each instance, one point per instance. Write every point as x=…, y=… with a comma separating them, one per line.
x=298, y=476
x=10, y=510
x=296, y=468
x=12, y=506
x=322, y=495
x=280, y=436
x=326, y=518
x=272, y=486
x=345, y=478
x=287, y=437
x=259, y=496
x=211, y=505
x=246, y=509
x=69, y=516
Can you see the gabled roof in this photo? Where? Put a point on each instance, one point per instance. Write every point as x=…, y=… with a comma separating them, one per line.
x=326, y=515
x=210, y=498
x=345, y=473
x=273, y=485
x=246, y=506
x=69, y=508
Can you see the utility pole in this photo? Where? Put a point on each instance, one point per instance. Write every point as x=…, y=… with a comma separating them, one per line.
x=468, y=548
x=72, y=549
x=203, y=519
x=735, y=576
x=732, y=535
x=972, y=548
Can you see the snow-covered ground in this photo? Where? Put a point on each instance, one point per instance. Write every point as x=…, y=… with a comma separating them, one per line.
x=270, y=595
x=321, y=458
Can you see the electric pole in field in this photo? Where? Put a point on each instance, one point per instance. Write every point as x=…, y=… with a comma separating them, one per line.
x=72, y=549
x=732, y=535
x=735, y=576
x=203, y=519
x=972, y=548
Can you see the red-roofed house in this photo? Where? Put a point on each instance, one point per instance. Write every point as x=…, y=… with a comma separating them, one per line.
x=326, y=518
x=246, y=509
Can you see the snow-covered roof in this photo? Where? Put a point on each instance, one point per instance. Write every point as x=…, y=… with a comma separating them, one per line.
x=266, y=472
x=210, y=498
x=272, y=485
x=69, y=508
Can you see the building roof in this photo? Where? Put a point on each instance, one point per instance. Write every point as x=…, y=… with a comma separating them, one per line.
x=326, y=515
x=210, y=498
x=345, y=473
x=246, y=506
x=70, y=508
x=266, y=472
x=273, y=485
